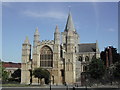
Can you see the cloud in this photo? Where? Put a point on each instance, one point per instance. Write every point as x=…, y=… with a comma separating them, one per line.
x=111, y=29
x=6, y=4
x=47, y=14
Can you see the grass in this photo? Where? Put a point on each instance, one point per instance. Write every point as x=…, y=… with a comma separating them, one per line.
x=20, y=85
x=14, y=85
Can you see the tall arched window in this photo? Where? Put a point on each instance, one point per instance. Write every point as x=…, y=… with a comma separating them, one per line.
x=80, y=58
x=86, y=58
x=84, y=68
x=46, y=57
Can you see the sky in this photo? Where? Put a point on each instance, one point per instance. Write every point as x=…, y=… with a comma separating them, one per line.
x=92, y=20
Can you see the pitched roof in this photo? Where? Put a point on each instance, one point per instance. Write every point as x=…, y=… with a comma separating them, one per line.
x=87, y=47
x=69, y=24
x=11, y=65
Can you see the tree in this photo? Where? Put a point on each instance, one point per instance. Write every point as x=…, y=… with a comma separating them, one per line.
x=41, y=73
x=116, y=72
x=46, y=76
x=17, y=75
x=5, y=75
x=96, y=69
x=115, y=55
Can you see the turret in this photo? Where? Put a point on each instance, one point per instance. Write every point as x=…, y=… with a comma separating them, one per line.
x=97, y=49
x=56, y=36
x=26, y=51
x=25, y=65
x=69, y=41
x=36, y=38
x=56, y=54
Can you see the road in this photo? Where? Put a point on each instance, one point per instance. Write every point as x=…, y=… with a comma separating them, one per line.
x=37, y=88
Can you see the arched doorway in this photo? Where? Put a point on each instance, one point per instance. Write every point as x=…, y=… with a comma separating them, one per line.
x=46, y=57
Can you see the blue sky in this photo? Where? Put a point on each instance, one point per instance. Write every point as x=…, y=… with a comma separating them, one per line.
x=93, y=21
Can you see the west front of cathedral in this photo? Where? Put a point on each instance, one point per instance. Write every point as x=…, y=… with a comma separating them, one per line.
x=64, y=57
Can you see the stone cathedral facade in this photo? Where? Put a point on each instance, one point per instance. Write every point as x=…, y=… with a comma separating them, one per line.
x=64, y=57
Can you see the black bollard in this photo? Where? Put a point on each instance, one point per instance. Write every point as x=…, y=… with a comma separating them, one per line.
x=73, y=88
x=50, y=86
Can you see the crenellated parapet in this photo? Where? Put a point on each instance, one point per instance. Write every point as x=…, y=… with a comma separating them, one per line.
x=43, y=42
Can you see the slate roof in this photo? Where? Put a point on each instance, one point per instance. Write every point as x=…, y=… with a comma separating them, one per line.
x=87, y=47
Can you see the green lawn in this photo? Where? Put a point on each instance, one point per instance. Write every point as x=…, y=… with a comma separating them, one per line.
x=20, y=85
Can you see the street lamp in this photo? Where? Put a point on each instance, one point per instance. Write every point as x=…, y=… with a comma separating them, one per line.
x=86, y=80
x=50, y=84
x=50, y=79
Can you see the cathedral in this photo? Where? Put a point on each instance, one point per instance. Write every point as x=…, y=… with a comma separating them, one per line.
x=64, y=57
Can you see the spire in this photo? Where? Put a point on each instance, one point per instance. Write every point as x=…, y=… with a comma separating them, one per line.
x=36, y=32
x=56, y=29
x=69, y=24
x=26, y=40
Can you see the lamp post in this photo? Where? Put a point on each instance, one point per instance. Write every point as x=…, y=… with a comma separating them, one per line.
x=50, y=79
x=50, y=84
x=86, y=81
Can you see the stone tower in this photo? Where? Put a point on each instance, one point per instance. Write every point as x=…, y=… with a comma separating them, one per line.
x=69, y=45
x=26, y=57
x=56, y=54
x=35, y=49
x=35, y=54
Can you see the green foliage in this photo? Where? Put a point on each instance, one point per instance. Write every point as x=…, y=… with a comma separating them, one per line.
x=115, y=55
x=116, y=72
x=47, y=76
x=38, y=73
x=17, y=73
x=0, y=69
x=96, y=69
x=41, y=73
x=5, y=75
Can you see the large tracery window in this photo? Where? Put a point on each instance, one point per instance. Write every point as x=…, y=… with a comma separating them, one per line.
x=46, y=57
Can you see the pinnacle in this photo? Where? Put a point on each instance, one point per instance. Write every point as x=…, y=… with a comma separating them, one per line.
x=56, y=29
x=26, y=40
x=36, y=32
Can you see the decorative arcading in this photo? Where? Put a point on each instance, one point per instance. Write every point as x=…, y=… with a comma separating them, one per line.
x=47, y=42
